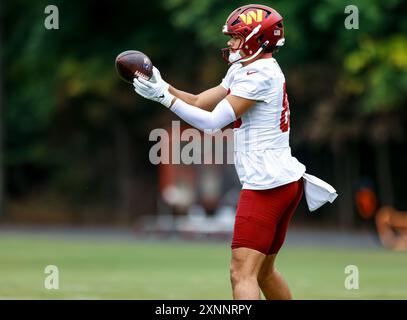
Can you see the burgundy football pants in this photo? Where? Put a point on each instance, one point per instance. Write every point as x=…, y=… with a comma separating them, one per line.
x=263, y=216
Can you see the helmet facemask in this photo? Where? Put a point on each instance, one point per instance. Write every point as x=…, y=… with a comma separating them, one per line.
x=228, y=52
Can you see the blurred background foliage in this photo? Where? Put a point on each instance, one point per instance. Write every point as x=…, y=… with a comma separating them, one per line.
x=76, y=137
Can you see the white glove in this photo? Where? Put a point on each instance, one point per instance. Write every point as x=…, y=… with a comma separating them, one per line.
x=156, y=77
x=156, y=89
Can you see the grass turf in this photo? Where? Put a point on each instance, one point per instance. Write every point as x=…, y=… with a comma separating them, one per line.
x=125, y=269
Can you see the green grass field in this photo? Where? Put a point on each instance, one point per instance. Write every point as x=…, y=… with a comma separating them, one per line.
x=125, y=269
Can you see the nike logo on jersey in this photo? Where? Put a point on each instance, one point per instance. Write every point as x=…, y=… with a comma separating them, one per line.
x=160, y=97
x=251, y=72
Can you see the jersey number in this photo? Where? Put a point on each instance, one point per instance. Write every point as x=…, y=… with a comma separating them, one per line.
x=285, y=113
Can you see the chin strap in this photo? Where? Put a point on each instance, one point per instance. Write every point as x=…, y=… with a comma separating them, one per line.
x=263, y=46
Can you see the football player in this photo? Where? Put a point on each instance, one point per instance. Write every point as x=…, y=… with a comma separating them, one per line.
x=253, y=96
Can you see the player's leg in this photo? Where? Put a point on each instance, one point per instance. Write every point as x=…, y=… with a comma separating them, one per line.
x=270, y=280
x=244, y=269
x=271, y=283
x=258, y=214
x=252, y=238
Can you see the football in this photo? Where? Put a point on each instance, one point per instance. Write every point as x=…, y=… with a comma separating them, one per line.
x=131, y=64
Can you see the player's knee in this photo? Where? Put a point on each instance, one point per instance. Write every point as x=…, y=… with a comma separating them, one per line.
x=239, y=276
x=238, y=273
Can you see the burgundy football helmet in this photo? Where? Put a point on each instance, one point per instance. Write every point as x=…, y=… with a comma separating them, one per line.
x=259, y=27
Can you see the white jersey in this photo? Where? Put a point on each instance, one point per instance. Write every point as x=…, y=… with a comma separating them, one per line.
x=262, y=151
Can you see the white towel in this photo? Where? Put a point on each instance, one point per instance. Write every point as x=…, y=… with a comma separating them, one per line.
x=317, y=192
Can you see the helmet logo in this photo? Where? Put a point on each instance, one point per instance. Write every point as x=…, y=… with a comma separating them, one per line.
x=277, y=32
x=248, y=18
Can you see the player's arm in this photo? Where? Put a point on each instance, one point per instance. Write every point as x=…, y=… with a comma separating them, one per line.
x=206, y=100
x=225, y=112
x=240, y=105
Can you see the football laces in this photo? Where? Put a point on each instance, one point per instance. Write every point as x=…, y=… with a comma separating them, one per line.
x=140, y=74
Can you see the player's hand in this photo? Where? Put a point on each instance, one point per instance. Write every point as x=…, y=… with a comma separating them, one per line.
x=156, y=77
x=155, y=90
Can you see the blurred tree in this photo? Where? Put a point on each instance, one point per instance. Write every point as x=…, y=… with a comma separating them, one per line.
x=73, y=129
